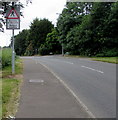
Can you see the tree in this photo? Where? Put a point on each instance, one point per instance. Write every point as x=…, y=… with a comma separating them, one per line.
x=101, y=21
x=51, y=45
x=111, y=25
x=52, y=42
x=71, y=16
x=20, y=42
x=110, y=36
x=38, y=32
x=89, y=28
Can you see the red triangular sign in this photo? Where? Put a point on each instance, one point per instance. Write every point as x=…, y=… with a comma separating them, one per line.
x=13, y=14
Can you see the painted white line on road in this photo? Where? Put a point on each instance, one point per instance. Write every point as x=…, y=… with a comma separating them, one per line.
x=71, y=91
x=93, y=69
x=36, y=61
x=63, y=61
x=57, y=60
x=68, y=62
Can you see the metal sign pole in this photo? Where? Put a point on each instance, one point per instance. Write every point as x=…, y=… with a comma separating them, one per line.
x=13, y=53
x=12, y=23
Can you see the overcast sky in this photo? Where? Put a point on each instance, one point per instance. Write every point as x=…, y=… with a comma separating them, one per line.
x=40, y=9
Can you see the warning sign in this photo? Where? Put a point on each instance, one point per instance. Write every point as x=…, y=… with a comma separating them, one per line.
x=12, y=23
x=13, y=18
x=13, y=14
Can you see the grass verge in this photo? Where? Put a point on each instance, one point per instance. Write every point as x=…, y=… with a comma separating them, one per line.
x=0, y=98
x=11, y=89
x=102, y=59
x=107, y=59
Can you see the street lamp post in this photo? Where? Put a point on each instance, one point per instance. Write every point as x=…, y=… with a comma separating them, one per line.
x=62, y=49
x=62, y=45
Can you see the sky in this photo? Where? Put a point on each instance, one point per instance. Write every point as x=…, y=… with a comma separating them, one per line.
x=49, y=9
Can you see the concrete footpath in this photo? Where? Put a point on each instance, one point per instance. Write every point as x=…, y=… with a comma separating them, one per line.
x=44, y=96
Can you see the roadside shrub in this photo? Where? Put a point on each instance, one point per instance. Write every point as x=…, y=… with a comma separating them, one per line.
x=100, y=55
x=6, y=57
x=111, y=53
x=108, y=53
x=43, y=50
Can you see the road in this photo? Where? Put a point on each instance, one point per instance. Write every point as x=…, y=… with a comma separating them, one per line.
x=44, y=96
x=92, y=82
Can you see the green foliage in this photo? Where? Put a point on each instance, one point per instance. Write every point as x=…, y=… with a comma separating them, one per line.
x=51, y=44
x=21, y=42
x=108, y=53
x=106, y=59
x=43, y=50
x=29, y=50
x=6, y=57
x=10, y=89
x=29, y=42
x=71, y=16
x=89, y=28
x=38, y=33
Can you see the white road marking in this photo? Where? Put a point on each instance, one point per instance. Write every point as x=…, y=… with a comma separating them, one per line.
x=71, y=91
x=57, y=60
x=62, y=61
x=36, y=61
x=93, y=69
x=68, y=62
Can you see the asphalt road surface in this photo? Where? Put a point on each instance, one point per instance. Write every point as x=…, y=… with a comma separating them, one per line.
x=93, y=82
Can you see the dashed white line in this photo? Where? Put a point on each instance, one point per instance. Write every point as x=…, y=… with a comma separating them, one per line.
x=57, y=60
x=93, y=69
x=63, y=61
x=68, y=62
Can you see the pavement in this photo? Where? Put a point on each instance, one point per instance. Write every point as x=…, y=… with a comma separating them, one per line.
x=44, y=96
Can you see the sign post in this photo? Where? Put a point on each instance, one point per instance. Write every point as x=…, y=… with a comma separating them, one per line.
x=13, y=53
x=12, y=23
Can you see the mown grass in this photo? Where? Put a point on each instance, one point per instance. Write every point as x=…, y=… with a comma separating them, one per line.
x=10, y=93
x=11, y=88
x=8, y=70
x=0, y=84
x=107, y=59
x=0, y=98
x=102, y=59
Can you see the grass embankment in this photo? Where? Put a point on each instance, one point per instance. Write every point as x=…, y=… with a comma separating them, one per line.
x=107, y=59
x=11, y=88
x=102, y=59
